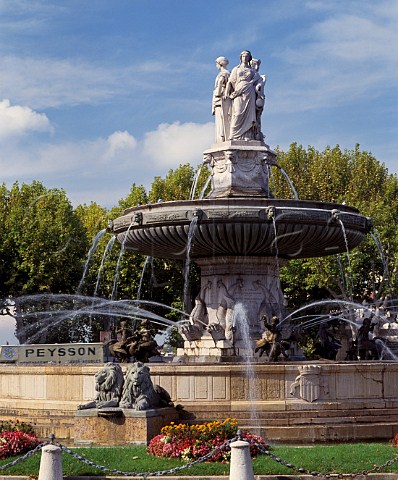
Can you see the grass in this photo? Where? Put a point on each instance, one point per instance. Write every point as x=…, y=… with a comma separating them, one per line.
x=342, y=458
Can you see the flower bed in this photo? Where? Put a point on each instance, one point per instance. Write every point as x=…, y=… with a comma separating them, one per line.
x=190, y=442
x=15, y=438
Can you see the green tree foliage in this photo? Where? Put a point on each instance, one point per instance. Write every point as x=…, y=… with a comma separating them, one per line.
x=43, y=244
x=356, y=178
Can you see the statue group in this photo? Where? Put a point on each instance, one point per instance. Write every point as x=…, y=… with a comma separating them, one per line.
x=238, y=99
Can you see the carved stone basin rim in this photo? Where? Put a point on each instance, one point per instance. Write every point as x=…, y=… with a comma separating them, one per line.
x=241, y=226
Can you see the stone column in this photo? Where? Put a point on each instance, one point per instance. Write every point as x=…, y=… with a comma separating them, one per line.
x=50, y=463
x=241, y=467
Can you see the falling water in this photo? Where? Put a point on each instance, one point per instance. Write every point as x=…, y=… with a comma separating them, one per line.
x=191, y=233
x=91, y=252
x=117, y=270
x=342, y=274
x=348, y=258
x=195, y=183
x=66, y=307
x=148, y=260
x=385, y=352
x=277, y=273
x=107, y=250
x=386, y=271
x=203, y=191
x=289, y=182
x=240, y=322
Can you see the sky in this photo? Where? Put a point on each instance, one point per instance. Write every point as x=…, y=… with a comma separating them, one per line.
x=98, y=95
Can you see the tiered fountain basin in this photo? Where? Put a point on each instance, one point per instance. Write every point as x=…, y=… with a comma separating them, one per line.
x=241, y=227
x=239, y=244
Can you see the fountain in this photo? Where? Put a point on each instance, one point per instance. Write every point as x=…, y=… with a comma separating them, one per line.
x=239, y=236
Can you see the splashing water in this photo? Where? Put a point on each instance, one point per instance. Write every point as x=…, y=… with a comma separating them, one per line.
x=117, y=270
x=386, y=272
x=203, y=191
x=242, y=329
x=191, y=234
x=91, y=252
x=195, y=183
x=69, y=308
x=351, y=281
x=296, y=197
x=147, y=262
x=107, y=250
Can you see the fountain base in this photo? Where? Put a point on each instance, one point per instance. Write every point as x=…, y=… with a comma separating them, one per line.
x=117, y=426
x=330, y=401
x=236, y=294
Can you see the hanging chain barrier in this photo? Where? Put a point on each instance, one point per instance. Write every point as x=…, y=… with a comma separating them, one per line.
x=262, y=449
x=24, y=457
x=376, y=469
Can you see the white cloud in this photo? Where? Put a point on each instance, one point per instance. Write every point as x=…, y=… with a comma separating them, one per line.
x=172, y=144
x=44, y=82
x=350, y=55
x=103, y=169
x=17, y=120
x=120, y=143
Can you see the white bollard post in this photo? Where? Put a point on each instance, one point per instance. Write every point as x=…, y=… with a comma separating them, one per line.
x=50, y=463
x=241, y=467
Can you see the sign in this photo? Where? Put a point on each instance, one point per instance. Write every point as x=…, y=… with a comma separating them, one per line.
x=58, y=353
x=9, y=353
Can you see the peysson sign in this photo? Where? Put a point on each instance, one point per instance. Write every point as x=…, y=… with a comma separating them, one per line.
x=56, y=353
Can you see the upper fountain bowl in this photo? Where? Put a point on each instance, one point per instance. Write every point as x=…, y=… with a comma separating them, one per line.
x=241, y=227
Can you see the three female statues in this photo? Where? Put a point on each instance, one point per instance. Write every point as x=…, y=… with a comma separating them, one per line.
x=238, y=100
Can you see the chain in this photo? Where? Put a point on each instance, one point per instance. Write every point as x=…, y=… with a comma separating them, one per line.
x=377, y=469
x=146, y=474
x=24, y=457
x=218, y=449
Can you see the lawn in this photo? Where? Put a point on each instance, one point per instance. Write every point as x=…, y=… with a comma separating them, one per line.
x=342, y=458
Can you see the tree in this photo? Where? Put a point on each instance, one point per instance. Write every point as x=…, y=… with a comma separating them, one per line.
x=42, y=249
x=356, y=178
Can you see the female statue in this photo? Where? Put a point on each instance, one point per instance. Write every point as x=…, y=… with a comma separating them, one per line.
x=221, y=103
x=241, y=88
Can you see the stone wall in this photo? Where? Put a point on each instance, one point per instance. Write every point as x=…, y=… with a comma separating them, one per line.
x=321, y=401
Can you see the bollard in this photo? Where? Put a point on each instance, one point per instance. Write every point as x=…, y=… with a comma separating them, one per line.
x=50, y=463
x=241, y=467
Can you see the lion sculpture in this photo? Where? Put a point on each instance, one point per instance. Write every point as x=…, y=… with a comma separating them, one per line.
x=108, y=385
x=139, y=392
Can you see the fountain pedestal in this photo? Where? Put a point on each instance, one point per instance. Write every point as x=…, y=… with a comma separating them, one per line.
x=236, y=292
x=239, y=168
x=120, y=426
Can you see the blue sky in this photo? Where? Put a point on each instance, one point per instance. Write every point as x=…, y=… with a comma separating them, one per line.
x=96, y=95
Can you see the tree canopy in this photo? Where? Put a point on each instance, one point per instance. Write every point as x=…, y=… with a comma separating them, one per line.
x=44, y=241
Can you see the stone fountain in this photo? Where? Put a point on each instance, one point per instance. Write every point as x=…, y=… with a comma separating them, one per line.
x=239, y=235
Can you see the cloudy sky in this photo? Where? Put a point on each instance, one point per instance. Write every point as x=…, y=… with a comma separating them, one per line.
x=96, y=95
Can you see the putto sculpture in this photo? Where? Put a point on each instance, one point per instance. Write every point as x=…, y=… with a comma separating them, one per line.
x=139, y=344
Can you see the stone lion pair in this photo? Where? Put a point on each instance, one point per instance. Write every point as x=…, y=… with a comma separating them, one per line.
x=135, y=391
